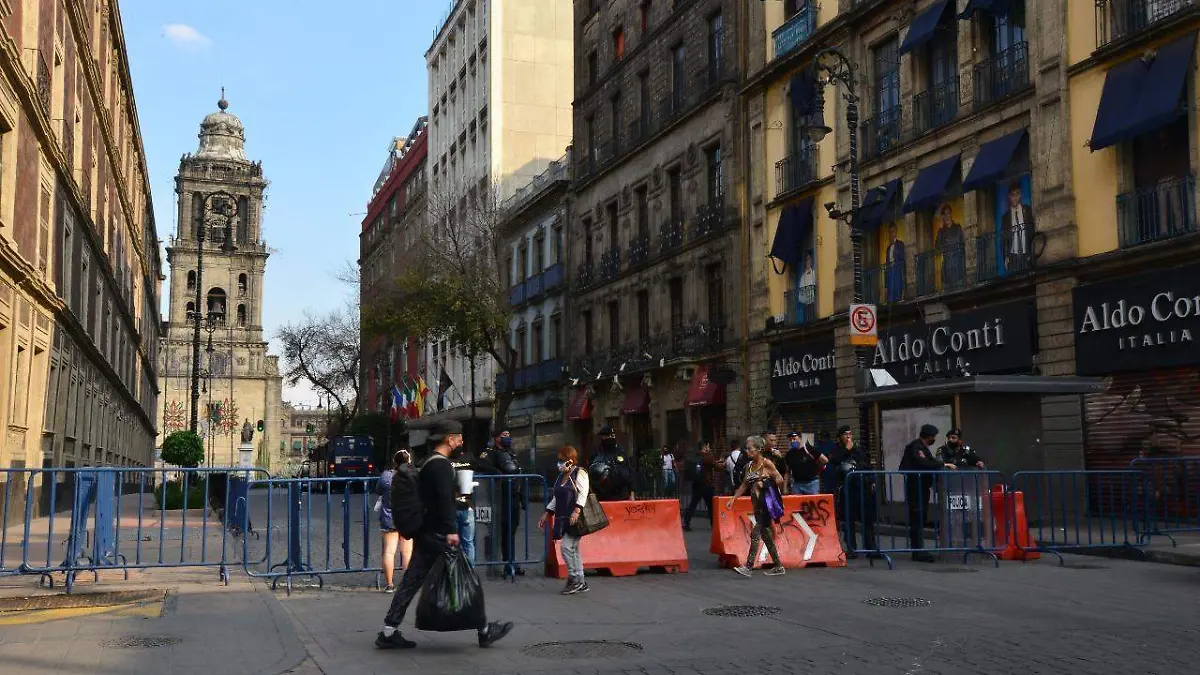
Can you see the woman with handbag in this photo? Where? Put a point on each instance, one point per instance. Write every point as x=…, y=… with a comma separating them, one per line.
x=566, y=507
x=765, y=485
x=391, y=537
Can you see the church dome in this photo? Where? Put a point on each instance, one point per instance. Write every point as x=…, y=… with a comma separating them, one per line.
x=222, y=135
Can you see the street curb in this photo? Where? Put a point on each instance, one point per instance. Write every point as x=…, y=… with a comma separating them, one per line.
x=79, y=600
x=294, y=651
x=1137, y=555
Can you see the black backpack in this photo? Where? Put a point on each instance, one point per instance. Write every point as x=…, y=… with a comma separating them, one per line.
x=694, y=469
x=408, y=511
x=739, y=468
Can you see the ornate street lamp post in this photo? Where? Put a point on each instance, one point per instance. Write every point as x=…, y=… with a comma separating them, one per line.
x=224, y=207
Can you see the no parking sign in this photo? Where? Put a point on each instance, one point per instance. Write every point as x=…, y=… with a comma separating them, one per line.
x=863, y=325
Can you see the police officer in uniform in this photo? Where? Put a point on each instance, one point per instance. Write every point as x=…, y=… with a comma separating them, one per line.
x=500, y=459
x=610, y=470
x=958, y=453
x=464, y=460
x=918, y=487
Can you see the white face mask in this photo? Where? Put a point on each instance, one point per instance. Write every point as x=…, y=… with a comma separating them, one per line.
x=562, y=466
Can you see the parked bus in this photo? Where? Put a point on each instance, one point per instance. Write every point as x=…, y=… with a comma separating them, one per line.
x=342, y=457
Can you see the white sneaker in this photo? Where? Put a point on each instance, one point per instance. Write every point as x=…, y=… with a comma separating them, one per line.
x=743, y=570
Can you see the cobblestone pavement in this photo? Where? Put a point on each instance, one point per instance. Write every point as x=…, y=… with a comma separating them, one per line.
x=1108, y=616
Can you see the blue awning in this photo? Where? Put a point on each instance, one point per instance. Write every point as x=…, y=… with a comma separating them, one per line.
x=931, y=185
x=991, y=164
x=878, y=205
x=992, y=7
x=1140, y=97
x=794, y=225
x=922, y=28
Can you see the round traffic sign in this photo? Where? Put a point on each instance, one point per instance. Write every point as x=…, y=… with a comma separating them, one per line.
x=863, y=319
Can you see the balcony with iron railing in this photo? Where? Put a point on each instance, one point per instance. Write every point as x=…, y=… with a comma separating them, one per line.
x=516, y=294
x=1000, y=76
x=710, y=218
x=697, y=339
x=610, y=263
x=800, y=304
x=639, y=250
x=554, y=276
x=1120, y=19
x=886, y=284
x=535, y=285
x=941, y=270
x=1156, y=213
x=795, y=31
x=670, y=235
x=641, y=129
x=998, y=254
x=881, y=132
x=795, y=171
x=585, y=275
x=935, y=106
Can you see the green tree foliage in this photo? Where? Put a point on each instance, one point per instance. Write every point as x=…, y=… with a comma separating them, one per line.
x=183, y=448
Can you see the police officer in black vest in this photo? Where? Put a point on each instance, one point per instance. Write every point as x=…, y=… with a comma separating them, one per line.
x=502, y=460
x=958, y=453
x=610, y=470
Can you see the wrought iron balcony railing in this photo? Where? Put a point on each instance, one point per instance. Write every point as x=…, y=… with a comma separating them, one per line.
x=585, y=275
x=697, y=339
x=935, y=106
x=881, y=132
x=941, y=269
x=670, y=235
x=886, y=284
x=516, y=294
x=795, y=31
x=709, y=218
x=1000, y=253
x=796, y=171
x=1004, y=74
x=1155, y=213
x=554, y=277
x=535, y=285
x=610, y=263
x=800, y=304
x=639, y=250
x=1118, y=19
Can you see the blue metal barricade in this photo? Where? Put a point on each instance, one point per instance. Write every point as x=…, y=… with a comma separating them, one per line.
x=101, y=518
x=506, y=534
x=1170, y=496
x=1078, y=510
x=919, y=512
x=317, y=517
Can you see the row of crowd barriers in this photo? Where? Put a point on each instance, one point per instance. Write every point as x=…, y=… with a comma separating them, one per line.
x=327, y=526
x=117, y=519
x=982, y=513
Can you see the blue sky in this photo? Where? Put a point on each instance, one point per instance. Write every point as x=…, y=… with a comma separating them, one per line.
x=321, y=89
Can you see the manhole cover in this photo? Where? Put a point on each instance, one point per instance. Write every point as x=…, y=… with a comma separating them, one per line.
x=1083, y=566
x=140, y=642
x=742, y=611
x=898, y=602
x=951, y=570
x=582, y=649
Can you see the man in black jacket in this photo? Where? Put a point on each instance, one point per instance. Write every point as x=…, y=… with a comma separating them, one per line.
x=439, y=531
x=501, y=459
x=958, y=453
x=610, y=469
x=855, y=497
x=918, y=488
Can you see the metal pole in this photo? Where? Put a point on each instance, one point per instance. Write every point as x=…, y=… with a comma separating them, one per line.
x=196, y=314
x=472, y=393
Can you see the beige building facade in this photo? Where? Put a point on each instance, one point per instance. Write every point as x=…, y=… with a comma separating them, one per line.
x=220, y=195
x=79, y=265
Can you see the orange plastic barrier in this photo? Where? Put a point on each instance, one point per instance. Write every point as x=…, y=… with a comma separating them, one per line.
x=640, y=535
x=1007, y=505
x=806, y=536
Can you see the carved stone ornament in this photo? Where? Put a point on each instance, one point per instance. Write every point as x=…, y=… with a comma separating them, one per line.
x=691, y=154
x=656, y=176
x=599, y=211
x=625, y=195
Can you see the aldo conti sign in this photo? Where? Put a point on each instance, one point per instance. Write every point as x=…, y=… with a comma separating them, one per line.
x=1149, y=321
x=804, y=372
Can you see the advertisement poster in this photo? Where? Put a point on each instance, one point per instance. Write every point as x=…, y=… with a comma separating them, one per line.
x=1014, y=224
x=892, y=241
x=806, y=279
x=949, y=244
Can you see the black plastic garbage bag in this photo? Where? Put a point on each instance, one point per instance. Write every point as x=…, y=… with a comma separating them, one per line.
x=451, y=597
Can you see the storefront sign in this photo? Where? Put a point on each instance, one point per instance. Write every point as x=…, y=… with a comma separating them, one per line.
x=997, y=339
x=1149, y=321
x=804, y=372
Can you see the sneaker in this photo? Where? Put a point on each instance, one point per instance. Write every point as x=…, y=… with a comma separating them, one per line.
x=775, y=571
x=687, y=528
x=494, y=633
x=389, y=589
x=583, y=587
x=572, y=587
x=743, y=570
x=394, y=641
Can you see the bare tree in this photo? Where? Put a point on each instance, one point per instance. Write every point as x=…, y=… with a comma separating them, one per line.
x=453, y=286
x=325, y=352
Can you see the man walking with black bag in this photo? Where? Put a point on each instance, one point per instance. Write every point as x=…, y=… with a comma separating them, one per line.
x=436, y=532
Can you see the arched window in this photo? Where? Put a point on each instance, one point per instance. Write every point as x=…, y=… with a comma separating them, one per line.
x=191, y=279
x=242, y=284
x=191, y=307
x=216, y=305
x=241, y=315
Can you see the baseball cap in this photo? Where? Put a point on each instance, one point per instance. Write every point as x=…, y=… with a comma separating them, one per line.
x=440, y=430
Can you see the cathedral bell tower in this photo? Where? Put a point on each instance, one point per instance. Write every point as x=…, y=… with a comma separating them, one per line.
x=217, y=259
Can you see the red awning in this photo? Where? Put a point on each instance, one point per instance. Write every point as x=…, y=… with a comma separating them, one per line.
x=702, y=391
x=580, y=408
x=637, y=401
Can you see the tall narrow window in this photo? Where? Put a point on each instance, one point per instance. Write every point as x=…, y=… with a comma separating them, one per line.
x=716, y=297
x=539, y=252
x=615, y=116
x=643, y=102
x=522, y=348
x=886, y=99
x=642, y=199
x=538, y=345
x=588, y=330
x=675, y=194
x=593, y=68
x=678, y=76
x=242, y=284
x=613, y=225
x=614, y=324
x=556, y=336
x=716, y=48
x=191, y=279
x=523, y=261
x=43, y=236
x=716, y=193
x=587, y=241
x=557, y=234
x=675, y=287
x=618, y=43
x=644, y=15
x=643, y=316
x=241, y=316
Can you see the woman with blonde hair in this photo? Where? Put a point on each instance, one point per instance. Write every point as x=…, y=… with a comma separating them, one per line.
x=761, y=477
x=391, y=537
x=570, y=495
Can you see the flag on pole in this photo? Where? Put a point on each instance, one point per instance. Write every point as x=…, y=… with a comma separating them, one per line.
x=422, y=393
x=410, y=399
x=444, y=384
x=397, y=403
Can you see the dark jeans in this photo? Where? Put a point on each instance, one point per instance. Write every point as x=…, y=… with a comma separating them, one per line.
x=701, y=492
x=918, y=492
x=426, y=549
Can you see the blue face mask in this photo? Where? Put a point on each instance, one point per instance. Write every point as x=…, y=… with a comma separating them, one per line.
x=795, y=445
x=506, y=443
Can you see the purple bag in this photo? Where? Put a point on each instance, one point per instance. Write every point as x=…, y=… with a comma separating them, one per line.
x=774, y=502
